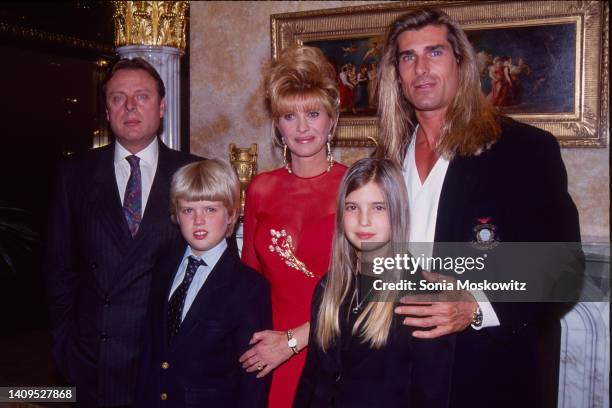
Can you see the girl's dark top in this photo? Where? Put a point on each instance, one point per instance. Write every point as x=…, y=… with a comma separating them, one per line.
x=352, y=374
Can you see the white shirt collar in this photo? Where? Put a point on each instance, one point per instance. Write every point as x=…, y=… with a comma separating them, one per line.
x=211, y=257
x=148, y=155
x=410, y=146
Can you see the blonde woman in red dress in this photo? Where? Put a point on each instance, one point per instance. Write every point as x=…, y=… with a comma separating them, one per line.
x=289, y=213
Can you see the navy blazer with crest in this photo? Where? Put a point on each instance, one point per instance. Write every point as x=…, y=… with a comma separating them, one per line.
x=98, y=276
x=519, y=186
x=199, y=367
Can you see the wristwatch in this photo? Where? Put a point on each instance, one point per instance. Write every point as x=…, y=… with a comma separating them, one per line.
x=292, y=342
x=477, y=318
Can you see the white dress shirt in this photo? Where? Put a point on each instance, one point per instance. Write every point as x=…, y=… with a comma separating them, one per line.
x=148, y=165
x=211, y=257
x=423, y=200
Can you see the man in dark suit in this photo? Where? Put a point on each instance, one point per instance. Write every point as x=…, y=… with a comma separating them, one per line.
x=205, y=304
x=476, y=177
x=109, y=222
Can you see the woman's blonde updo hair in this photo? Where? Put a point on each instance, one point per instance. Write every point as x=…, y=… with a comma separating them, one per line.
x=302, y=79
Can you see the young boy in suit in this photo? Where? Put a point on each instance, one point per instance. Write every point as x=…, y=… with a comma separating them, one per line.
x=205, y=304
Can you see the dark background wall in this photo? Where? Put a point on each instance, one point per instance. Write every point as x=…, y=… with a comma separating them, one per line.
x=54, y=57
x=50, y=107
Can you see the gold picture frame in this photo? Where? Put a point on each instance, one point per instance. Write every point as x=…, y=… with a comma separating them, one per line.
x=575, y=105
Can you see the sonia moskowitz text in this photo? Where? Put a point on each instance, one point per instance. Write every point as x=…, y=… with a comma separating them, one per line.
x=425, y=285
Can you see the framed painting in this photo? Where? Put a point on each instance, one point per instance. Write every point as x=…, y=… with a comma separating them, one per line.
x=541, y=62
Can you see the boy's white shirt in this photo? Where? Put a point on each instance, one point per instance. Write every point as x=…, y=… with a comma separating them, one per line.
x=211, y=257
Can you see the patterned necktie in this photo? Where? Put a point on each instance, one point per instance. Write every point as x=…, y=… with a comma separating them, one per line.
x=132, y=201
x=177, y=300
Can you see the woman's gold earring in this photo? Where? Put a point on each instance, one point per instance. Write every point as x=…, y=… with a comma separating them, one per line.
x=330, y=157
x=285, y=161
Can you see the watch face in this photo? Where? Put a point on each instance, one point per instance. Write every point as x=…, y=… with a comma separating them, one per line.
x=292, y=343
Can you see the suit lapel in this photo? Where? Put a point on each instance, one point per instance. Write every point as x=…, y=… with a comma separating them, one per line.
x=107, y=202
x=157, y=209
x=212, y=292
x=459, y=187
x=154, y=225
x=469, y=193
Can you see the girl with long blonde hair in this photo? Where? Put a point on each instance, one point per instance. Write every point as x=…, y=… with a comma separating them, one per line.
x=360, y=354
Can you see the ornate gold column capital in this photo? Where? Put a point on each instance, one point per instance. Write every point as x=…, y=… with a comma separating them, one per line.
x=158, y=23
x=244, y=161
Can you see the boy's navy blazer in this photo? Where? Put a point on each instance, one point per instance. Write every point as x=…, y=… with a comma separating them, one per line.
x=199, y=367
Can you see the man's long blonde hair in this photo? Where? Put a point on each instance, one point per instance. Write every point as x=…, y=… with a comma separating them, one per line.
x=374, y=322
x=471, y=123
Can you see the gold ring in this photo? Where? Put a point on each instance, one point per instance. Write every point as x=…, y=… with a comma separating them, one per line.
x=259, y=367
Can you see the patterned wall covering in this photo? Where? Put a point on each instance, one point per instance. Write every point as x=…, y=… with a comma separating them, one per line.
x=229, y=45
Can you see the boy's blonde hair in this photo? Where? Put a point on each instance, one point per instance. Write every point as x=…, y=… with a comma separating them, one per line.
x=206, y=180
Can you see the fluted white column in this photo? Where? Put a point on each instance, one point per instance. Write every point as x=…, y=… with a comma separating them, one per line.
x=584, y=372
x=156, y=32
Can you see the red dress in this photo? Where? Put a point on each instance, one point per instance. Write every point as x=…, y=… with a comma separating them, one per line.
x=288, y=230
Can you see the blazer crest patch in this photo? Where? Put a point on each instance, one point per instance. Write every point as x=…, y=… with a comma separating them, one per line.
x=485, y=234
